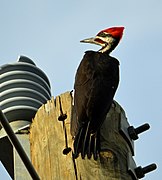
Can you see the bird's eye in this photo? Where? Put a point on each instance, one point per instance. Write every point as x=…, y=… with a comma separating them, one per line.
x=102, y=34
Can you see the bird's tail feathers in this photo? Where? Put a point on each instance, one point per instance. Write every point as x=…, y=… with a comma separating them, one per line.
x=86, y=138
x=86, y=143
x=96, y=145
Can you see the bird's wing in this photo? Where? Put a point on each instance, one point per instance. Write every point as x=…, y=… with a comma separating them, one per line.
x=83, y=81
x=95, y=85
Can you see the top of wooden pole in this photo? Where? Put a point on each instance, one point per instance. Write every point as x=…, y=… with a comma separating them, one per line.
x=48, y=140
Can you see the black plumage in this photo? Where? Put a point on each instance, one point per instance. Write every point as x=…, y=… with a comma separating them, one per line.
x=96, y=82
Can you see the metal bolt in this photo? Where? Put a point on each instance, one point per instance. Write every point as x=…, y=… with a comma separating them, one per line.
x=140, y=172
x=66, y=150
x=62, y=117
x=142, y=128
x=133, y=132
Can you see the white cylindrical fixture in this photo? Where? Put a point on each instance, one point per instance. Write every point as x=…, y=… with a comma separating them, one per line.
x=23, y=89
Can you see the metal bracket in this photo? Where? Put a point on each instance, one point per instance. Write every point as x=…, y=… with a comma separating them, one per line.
x=15, y=142
x=131, y=166
x=123, y=129
x=62, y=118
x=130, y=133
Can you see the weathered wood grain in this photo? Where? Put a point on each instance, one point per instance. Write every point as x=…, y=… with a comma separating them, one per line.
x=48, y=140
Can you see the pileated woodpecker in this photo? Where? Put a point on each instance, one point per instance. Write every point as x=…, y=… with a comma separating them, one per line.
x=96, y=82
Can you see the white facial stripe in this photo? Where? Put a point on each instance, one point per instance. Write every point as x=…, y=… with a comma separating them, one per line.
x=108, y=43
x=105, y=39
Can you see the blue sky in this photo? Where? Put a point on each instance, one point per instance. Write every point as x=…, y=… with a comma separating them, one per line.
x=49, y=33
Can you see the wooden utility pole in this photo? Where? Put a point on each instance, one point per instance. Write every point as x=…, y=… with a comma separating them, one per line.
x=49, y=137
x=52, y=145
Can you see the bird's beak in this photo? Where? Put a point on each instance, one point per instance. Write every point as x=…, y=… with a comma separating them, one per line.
x=90, y=40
